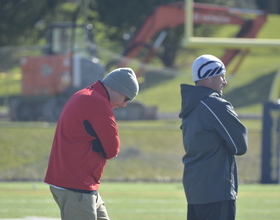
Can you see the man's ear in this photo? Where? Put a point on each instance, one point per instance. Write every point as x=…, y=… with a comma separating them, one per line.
x=202, y=82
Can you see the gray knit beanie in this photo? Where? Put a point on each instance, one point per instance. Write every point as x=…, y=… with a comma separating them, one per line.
x=124, y=81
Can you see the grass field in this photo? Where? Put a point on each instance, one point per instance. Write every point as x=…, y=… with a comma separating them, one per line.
x=135, y=201
x=150, y=150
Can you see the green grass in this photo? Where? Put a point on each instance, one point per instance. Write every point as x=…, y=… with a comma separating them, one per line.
x=24, y=149
x=10, y=82
x=258, y=202
x=135, y=201
x=150, y=150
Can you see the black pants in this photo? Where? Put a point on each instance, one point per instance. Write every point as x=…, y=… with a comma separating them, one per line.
x=224, y=210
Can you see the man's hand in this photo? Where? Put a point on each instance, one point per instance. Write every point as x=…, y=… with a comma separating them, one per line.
x=96, y=143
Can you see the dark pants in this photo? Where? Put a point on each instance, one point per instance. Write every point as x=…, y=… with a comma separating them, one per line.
x=224, y=210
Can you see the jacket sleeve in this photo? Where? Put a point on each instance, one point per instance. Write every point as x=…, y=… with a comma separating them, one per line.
x=96, y=143
x=103, y=122
x=230, y=128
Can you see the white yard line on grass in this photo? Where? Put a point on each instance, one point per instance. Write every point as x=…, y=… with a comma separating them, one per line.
x=30, y=218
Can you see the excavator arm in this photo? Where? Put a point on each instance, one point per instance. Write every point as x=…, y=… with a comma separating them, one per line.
x=172, y=15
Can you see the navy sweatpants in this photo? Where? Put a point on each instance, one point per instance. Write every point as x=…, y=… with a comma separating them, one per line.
x=224, y=210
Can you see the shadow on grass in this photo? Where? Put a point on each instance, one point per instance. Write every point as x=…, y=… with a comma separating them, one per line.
x=255, y=92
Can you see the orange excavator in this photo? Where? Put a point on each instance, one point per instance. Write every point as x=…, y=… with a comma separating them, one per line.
x=68, y=63
x=49, y=80
x=172, y=15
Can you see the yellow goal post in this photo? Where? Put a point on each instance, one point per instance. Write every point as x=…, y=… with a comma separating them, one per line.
x=191, y=41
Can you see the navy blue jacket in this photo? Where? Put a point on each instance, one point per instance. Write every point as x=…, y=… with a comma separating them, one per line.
x=212, y=135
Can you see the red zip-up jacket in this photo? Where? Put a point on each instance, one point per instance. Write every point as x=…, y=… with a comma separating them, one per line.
x=73, y=163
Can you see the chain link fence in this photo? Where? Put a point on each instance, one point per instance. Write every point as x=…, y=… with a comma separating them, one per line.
x=149, y=152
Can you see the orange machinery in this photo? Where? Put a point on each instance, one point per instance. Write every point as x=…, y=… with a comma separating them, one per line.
x=47, y=75
x=49, y=80
x=67, y=65
x=172, y=15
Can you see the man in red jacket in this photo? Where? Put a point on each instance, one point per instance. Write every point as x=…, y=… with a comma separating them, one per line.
x=86, y=137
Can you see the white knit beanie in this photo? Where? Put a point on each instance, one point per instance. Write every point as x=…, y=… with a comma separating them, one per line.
x=207, y=66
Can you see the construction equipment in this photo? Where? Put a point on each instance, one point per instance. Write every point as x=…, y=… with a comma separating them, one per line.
x=69, y=63
x=172, y=15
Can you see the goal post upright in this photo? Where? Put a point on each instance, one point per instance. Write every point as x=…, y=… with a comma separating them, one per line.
x=191, y=41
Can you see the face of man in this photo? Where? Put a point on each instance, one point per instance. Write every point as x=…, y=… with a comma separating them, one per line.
x=118, y=100
x=217, y=83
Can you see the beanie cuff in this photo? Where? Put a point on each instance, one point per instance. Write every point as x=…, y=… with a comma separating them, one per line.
x=123, y=81
x=120, y=88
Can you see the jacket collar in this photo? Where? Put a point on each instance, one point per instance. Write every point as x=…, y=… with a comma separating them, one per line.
x=101, y=89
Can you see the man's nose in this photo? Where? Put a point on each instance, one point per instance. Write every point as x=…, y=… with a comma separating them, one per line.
x=225, y=82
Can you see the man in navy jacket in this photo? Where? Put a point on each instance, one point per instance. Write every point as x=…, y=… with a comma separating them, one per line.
x=212, y=136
